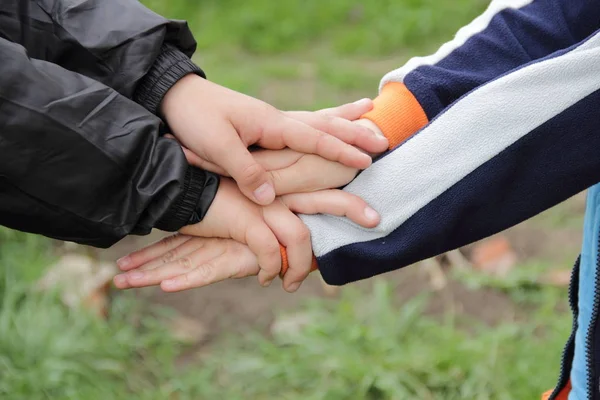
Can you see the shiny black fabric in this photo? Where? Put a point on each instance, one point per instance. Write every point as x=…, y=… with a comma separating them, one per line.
x=79, y=160
x=112, y=41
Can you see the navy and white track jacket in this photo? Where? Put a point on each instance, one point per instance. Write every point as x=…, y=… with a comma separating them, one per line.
x=498, y=125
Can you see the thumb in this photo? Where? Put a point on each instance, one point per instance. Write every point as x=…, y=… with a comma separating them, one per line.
x=227, y=151
x=197, y=161
x=237, y=161
x=333, y=202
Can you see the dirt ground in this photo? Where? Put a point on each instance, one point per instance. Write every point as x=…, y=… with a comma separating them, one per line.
x=241, y=305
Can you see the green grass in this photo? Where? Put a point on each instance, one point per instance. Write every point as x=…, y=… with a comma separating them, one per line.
x=364, y=347
x=50, y=352
x=258, y=46
x=344, y=26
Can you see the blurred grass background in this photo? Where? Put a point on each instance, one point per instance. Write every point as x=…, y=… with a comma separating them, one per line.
x=296, y=54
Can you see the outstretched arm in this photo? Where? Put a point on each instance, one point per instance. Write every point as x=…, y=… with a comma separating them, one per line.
x=80, y=162
x=503, y=153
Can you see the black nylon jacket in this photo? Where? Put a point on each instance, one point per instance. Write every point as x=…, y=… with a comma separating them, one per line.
x=80, y=160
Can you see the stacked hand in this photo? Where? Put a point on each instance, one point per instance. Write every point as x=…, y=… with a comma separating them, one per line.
x=311, y=153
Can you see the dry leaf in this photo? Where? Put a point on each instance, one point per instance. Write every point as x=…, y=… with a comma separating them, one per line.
x=557, y=277
x=288, y=326
x=188, y=330
x=494, y=256
x=81, y=281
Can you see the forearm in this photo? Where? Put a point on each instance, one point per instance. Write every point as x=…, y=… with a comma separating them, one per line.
x=501, y=154
x=83, y=163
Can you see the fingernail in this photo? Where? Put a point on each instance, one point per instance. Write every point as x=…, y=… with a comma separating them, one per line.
x=363, y=102
x=120, y=280
x=169, y=282
x=267, y=283
x=265, y=193
x=136, y=276
x=294, y=286
x=371, y=214
x=124, y=262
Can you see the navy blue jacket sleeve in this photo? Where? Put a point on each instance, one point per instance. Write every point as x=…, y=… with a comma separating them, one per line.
x=509, y=34
x=504, y=152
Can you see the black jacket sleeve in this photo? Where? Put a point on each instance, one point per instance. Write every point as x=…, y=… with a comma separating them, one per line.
x=80, y=162
x=120, y=43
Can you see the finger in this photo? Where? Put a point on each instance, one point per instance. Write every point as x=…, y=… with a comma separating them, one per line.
x=228, y=265
x=232, y=155
x=273, y=160
x=262, y=242
x=123, y=281
x=349, y=111
x=148, y=253
x=289, y=132
x=338, y=122
x=185, y=249
x=347, y=131
x=178, y=266
x=333, y=202
x=295, y=237
x=307, y=175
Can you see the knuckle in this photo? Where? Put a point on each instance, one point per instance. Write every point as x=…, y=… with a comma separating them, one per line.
x=169, y=256
x=185, y=263
x=330, y=119
x=205, y=271
x=167, y=241
x=302, y=236
x=271, y=249
x=252, y=174
x=323, y=141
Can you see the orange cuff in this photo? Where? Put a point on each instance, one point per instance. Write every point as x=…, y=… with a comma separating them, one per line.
x=563, y=395
x=397, y=113
x=285, y=265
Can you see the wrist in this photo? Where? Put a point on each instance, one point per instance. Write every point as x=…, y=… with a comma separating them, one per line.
x=396, y=113
x=168, y=69
x=178, y=95
x=198, y=191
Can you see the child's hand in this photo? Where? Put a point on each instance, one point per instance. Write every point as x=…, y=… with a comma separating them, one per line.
x=294, y=172
x=218, y=124
x=263, y=228
x=181, y=262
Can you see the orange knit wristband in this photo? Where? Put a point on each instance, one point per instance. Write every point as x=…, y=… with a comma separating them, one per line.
x=397, y=113
x=285, y=265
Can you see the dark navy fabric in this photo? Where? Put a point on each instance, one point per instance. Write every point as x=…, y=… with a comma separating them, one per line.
x=552, y=163
x=514, y=37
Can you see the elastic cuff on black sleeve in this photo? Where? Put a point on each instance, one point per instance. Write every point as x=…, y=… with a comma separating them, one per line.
x=199, y=191
x=169, y=67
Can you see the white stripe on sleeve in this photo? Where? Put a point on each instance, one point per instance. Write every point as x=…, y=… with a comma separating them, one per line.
x=470, y=133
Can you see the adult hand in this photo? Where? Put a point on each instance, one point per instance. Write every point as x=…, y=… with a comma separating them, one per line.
x=217, y=125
